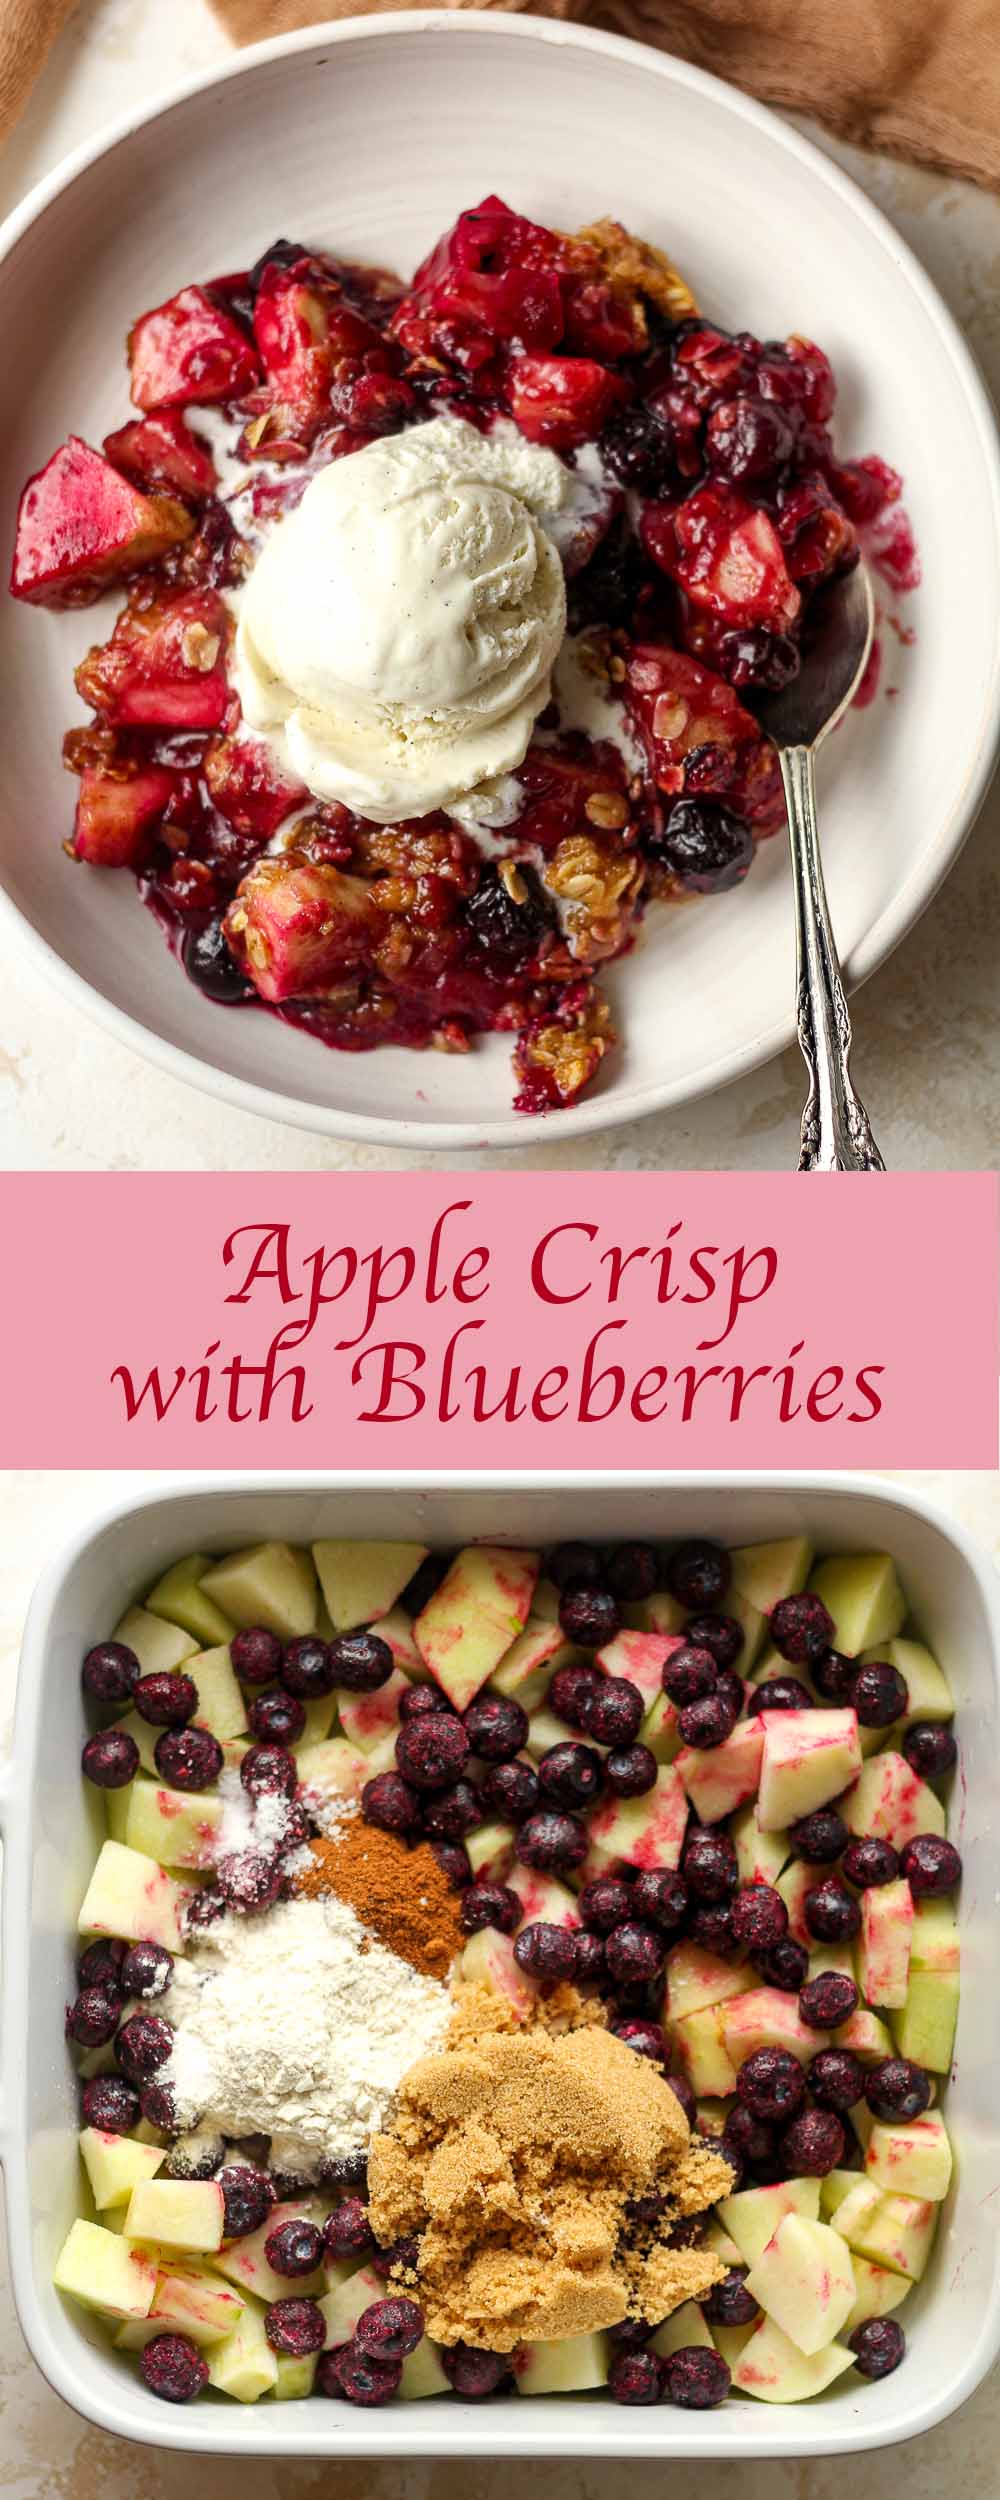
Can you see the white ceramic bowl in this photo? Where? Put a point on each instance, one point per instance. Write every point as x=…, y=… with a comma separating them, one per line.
x=370, y=136
x=50, y=1828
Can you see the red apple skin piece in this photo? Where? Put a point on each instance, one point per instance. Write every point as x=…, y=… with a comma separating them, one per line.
x=764, y=2018
x=308, y=337
x=189, y=352
x=723, y=1777
x=726, y=555
x=113, y=817
x=543, y=1897
x=164, y=666
x=80, y=525
x=653, y=1827
x=247, y=787
x=161, y=451
x=297, y=925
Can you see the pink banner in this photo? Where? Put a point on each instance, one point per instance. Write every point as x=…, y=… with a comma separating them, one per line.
x=560, y=1320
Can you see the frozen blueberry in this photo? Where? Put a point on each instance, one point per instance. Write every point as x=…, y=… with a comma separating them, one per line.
x=110, y=1672
x=786, y=1964
x=614, y=1713
x=780, y=1692
x=166, y=1700
x=276, y=1717
x=546, y=1952
x=589, y=1617
x=571, y=1775
x=347, y=2232
x=833, y=1676
x=721, y=1635
x=759, y=1917
x=631, y=1771
x=308, y=1669
x=93, y=2018
x=551, y=1842
x=361, y=1661
x=770, y=2083
x=819, y=1837
x=110, y=2104
x=631, y=1573
x=432, y=1752
x=510, y=1789
x=707, y=1723
x=683, y=2093
x=248, y=1880
x=295, y=2327
x=420, y=1699
x=496, y=1727
x=931, y=1866
x=147, y=1970
x=710, y=1927
x=268, y=1771
x=357, y=2377
x=646, y=2038
x=636, y=2378
x=831, y=1913
x=256, y=1655
x=660, y=1898
x=871, y=1861
x=729, y=2303
x=709, y=1864
x=490, y=1905
x=828, y=2000
x=451, y=1813
x=173, y=2368
x=930, y=1749
x=801, y=1628
x=747, y=2140
x=634, y=1953
x=698, y=1574
x=471, y=2372
x=390, y=1802
x=294, y=2247
x=247, y=2197
x=400, y=2257
x=570, y=1690
x=688, y=1674
x=390, y=2329
x=590, y=1963
x=143, y=2044
x=836, y=2079
x=605, y=1903
x=814, y=2144
x=574, y=1566
x=110, y=1760
x=99, y=1965
x=879, y=1694
x=696, y=2378
x=156, y=2104
x=878, y=2346
x=896, y=2088
x=188, y=1757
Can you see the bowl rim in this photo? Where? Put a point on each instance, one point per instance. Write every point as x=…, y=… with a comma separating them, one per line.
x=390, y=2435
x=915, y=891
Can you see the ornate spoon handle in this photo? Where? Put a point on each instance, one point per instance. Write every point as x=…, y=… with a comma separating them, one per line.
x=836, y=1136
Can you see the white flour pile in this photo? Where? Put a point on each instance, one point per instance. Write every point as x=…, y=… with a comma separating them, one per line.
x=297, y=2025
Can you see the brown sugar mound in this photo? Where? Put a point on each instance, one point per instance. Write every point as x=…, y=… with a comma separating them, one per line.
x=518, y=2160
x=401, y=1895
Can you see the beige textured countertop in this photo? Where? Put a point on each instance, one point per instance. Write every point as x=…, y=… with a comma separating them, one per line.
x=927, y=1030
x=47, y=2454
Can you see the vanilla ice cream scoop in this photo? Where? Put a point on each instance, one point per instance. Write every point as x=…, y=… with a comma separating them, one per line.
x=398, y=631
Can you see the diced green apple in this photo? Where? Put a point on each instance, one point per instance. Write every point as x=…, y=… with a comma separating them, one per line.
x=130, y=1895
x=639, y=1831
x=717, y=2239
x=702, y=2053
x=721, y=1778
x=684, y=2331
x=100, y=2270
x=566, y=2364
x=772, y=2367
x=491, y=1850
x=115, y=2163
x=172, y=1825
x=544, y=1731
x=862, y=1593
x=878, y=2290
x=422, y=2372
x=396, y=1630
x=657, y=1613
x=768, y=2018
x=296, y=2378
x=760, y=1856
x=196, y=2303
x=180, y=1598
x=794, y=1884
x=367, y=1717
x=333, y=1769
x=761, y=1575
x=808, y=1757
x=361, y=1581
x=243, y=2365
x=752, y=2216
x=884, y=1943
x=159, y=1646
x=221, y=1704
x=542, y=1897
x=641, y=1658
x=321, y=1719
x=865, y=2035
x=929, y=1694
x=244, y=2261
x=897, y=2232
x=837, y=2185
x=270, y=1585
x=525, y=1668
x=889, y=1802
x=731, y=2342
x=488, y=1962
x=482, y=1604
x=855, y=2210
x=343, y=2307
x=177, y=2213
x=935, y=1944
x=925, y=2029
x=805, y=2281
x=696, y=1978
x=912, y=2158
x=660, y=1730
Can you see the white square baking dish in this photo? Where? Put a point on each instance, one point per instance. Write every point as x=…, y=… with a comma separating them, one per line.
x=50, y=1832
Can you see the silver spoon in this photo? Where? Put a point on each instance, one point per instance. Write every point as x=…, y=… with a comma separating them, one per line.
x=836, y=1136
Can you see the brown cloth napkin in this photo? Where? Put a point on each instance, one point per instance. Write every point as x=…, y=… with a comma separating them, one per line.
x=920, y=78
x=28, y=29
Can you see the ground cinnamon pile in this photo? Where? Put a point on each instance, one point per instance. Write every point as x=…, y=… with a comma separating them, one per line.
x=401, y=1895
x=528, y=2165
